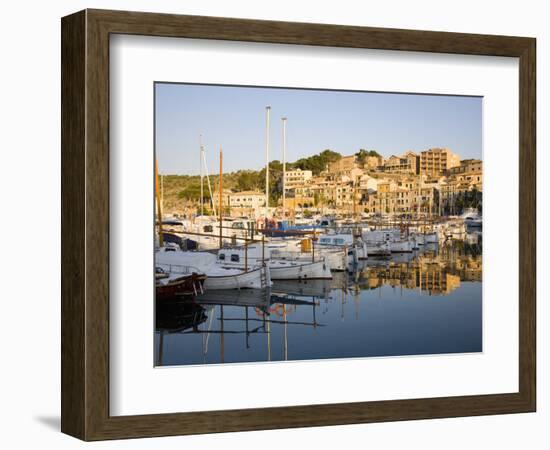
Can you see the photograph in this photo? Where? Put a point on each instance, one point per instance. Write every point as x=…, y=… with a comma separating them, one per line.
x=298, y=224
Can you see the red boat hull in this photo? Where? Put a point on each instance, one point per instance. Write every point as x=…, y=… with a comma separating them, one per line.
x=182, y=286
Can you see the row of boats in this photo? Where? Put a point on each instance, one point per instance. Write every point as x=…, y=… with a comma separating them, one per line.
x=245, y=261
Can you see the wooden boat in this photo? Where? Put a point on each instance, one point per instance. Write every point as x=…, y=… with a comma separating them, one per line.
x=174, y=286
x=356, y=250
x=387, y=239
x=335, y=257
x=279, y=269
x=175, y=261
x=231, y=278
x=297, y=270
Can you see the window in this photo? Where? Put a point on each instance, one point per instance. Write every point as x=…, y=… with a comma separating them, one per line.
x=221, y=256
x=235, y=258
x=208, y=229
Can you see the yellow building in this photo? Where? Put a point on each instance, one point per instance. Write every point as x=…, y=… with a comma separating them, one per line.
x=296, y=178
x=335, y=190
x=299, y=202
x=408, y=163
x=226, y=195
x=437, y=161
x=405, y=196
x=372, y=162
x=343, y=165
x=247, y=200
x=468, y=172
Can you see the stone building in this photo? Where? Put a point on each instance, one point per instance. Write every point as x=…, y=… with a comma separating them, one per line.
x=408, y=163
x=343, y=166
x=470, y=172
x=247, y=201
x=437, y=161
x=298, y=177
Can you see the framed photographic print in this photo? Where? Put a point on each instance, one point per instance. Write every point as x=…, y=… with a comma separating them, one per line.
x=273, y=225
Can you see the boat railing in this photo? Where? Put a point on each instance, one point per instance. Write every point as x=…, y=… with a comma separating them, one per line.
x=289, y=255
x=330, y=246
x=178, y=268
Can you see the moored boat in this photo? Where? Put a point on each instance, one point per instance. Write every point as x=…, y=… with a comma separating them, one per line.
x=296, y=268
x=175, y=261
x=393, y=238
x=170, y=286
x=231, y=278
x=356, y=249
x=336, y=258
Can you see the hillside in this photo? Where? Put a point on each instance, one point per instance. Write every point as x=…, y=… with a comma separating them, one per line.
x=184, y=190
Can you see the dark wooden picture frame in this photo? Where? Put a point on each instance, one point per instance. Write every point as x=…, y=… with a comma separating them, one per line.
x=85, y=224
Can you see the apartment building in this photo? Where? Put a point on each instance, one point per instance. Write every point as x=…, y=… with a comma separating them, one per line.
x=469, y=172
x=408, y=163
x=298, y=177
x=247, y=200
x=437, y=161
x=402, y=197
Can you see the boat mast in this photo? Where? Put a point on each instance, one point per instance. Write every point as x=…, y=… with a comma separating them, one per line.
x=159, y=207
x=284, y=165
x=208, y=182
x=355, y=199
x=221, y=185
x=202, y=178
x=162, y=192
x=419, y=198
x=267, y=112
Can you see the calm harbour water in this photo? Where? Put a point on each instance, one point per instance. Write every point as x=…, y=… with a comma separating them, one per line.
x=428, y=302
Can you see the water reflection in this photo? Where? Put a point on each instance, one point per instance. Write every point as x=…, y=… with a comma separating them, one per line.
x=434, y=271
x=422, y=303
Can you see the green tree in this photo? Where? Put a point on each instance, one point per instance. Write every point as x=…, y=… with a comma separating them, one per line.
x=317, y=163
x=247, y=180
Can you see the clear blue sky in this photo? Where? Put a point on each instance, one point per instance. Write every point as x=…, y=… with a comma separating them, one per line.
x=234, y=117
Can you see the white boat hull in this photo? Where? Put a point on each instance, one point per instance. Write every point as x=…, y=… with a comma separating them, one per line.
x=337, y=262
x=253, y=279
x=285, y=270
